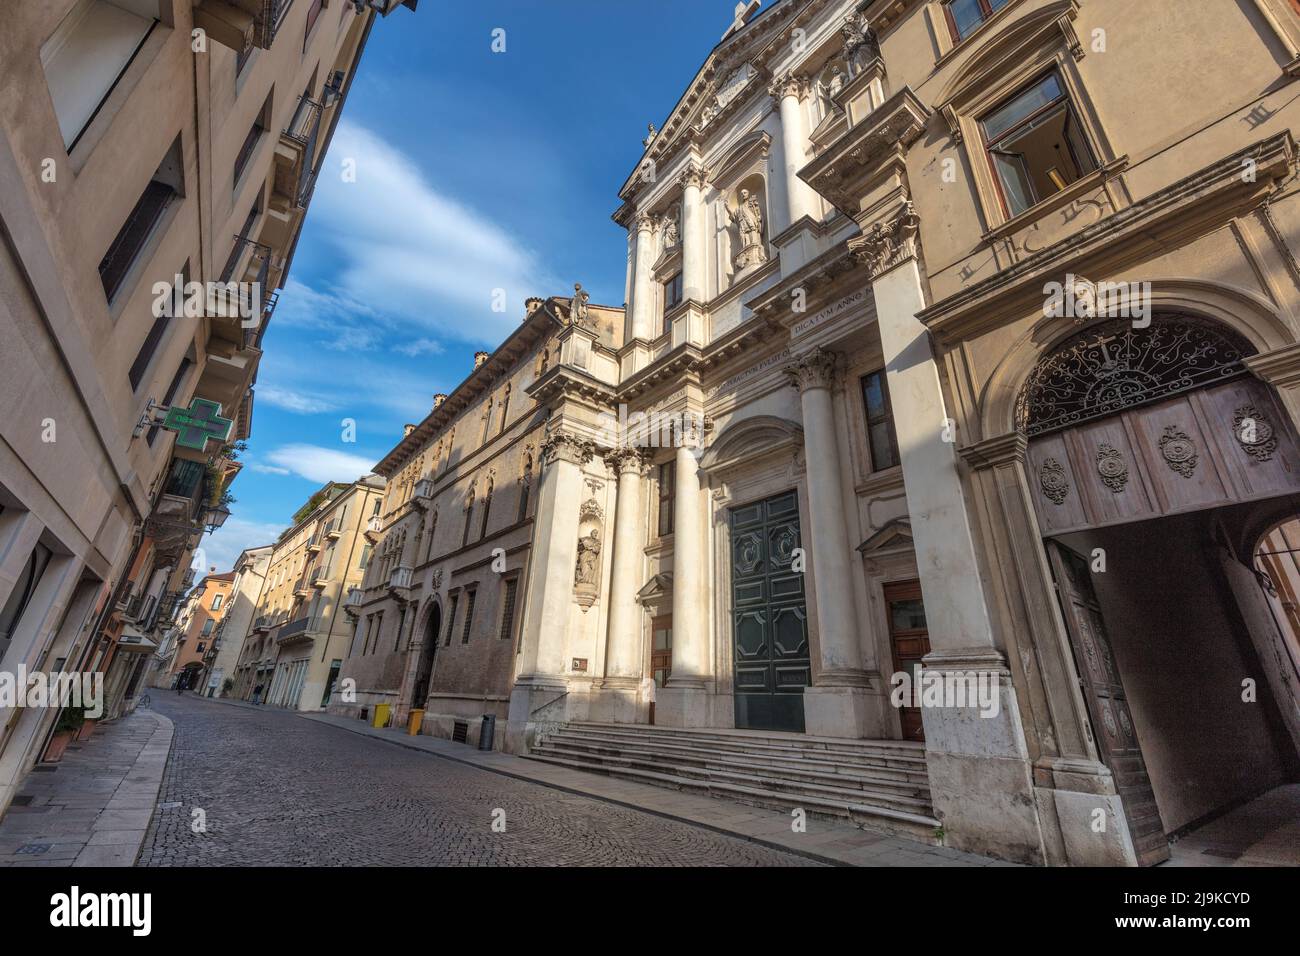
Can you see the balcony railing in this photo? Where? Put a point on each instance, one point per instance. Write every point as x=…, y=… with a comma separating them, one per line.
x=401, y=578
x=424, y=489
x=292, y=631
x=354, y=598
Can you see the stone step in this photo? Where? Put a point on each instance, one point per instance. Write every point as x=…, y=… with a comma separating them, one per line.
x=769, y=780
x=918, y=826
x=911, y=782
x=792, y=741
x=864, y=757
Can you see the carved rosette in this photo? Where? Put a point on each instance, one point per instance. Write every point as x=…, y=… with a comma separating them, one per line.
x=1051, y=478
x=1254, y=432
x=1111, y=467
x=816, y=368
x=888, y=244
x=1178, y=450
x=564, y=446
x=694, y=175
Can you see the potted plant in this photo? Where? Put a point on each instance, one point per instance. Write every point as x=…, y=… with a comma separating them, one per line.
x=65, y=728
x=227, y=686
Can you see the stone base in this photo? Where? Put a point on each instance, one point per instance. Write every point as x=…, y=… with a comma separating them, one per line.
x=1083, y=815
x=682, y=707
x=840, y=712
x=535, y=709
x=617, y=704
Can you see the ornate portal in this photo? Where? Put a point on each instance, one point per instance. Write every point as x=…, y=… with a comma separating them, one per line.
x=1113, y=366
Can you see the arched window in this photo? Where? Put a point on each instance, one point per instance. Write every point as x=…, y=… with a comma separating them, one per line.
x=469, y=516
x=525, y=484
x=1113, y=366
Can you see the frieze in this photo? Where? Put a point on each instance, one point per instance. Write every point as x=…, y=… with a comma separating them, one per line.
x=829, y=312
x=750, y=372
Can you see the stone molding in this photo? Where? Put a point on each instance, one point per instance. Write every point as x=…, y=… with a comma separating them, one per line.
x=565, y=446
x=624, y=461
x=888, y=244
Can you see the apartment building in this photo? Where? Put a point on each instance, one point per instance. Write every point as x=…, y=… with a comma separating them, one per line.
x=298, y=638
x=206, y=607
x=222, y=654
x=140, y=141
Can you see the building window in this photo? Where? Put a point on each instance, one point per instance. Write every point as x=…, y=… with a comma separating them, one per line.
x=21, y=595
x=667, y=496
x=505, y=408
x=451, y=620
x=1035, y=145
x=140, y=226
x=200, y=647
x=469, y=616
x=880, y=421
x=365, y=556
x=251, y=140
x=508, y=609
x=207, y=629
x=87, y=55
x=469, y=520
x=661, y=649
x=965, y=16
x=150, y=344
x=182, y=371
x=216, y=601
x=487, y=508
x=312, y=13
x=672, y=298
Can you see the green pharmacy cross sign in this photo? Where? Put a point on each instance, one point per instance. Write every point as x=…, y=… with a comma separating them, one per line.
x=198, y=423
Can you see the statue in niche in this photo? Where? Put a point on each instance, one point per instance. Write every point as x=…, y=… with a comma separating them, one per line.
x=588, y=558
x=672, y=232
x=712, y=109
x=860, y=43
x=748, y=219
x=835, y=83
x=650, y=136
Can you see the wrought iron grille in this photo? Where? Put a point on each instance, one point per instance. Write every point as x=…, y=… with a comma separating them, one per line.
x=1114, y=366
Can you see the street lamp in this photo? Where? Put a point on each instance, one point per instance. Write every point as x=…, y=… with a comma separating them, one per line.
x=216, y=517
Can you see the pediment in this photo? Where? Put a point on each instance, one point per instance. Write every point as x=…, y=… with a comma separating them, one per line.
x=659, y=586
x=749, y=438
x=895, y=535
x=1015, y=43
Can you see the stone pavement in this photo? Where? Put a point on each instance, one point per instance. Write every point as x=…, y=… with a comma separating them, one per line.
x=93, y=807
x=826, y=841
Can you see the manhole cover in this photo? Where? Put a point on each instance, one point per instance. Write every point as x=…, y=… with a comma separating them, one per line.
x=34, y=849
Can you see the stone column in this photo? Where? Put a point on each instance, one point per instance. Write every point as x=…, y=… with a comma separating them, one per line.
x=838, y=705
x=537, y=700
x=623, y=664
x=643, y=325
x=684, y=702
x=788, y=90
x=693, y=238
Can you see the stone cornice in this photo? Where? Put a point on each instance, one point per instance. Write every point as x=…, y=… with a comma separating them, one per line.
x=843, y=173
x=1002, y=450
x=566, y=382
x=1204, y=200
x=1280, y=367
x=681, y=361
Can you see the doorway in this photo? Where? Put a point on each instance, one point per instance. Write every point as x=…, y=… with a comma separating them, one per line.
x=909, y=640
x=769, y=615
x=424, y=672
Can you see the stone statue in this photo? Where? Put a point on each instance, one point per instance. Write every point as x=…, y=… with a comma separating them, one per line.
x=650, y=136
x=836, y=82
x=588, y=558
x=578, y=314
x=711, y=109
x=672, y=234
x=748, y=218
x=860, y=43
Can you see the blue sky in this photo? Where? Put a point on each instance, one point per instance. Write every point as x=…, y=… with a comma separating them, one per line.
x=475, y=171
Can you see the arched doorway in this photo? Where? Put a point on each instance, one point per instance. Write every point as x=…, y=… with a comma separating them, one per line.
x=432, y=628
x=1151, y=452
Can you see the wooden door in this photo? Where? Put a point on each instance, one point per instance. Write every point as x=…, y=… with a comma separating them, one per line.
x=1112, y=723
x=909, y=640
x=661, y=653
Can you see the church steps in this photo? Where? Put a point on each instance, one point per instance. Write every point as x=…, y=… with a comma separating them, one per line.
x=914, y=799
x=878, y=784
x=918, y=826
x=826, y=774
x=863, y=758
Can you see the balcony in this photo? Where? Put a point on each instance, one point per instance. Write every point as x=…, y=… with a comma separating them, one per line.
x=313, y=546
x=334, y=534
x=374, y=528
x=401, y=578
x=354, y=598
x=424, y=490
x=294, y=156
x=241, y=24
x=294, y=632
x=320, y=580
x=262, y=624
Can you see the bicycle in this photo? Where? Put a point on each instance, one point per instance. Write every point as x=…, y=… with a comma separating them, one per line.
x=144, y=701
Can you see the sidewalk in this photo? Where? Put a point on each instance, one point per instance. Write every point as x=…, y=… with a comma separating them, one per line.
x=827, y=841
x=93, y=807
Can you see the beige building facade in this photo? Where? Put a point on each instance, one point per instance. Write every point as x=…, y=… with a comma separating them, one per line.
x=296, y=640
x=222, y=654
x=140, y=140
x=960, y=349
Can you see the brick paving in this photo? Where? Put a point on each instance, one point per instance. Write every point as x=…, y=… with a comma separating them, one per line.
x=274, y=789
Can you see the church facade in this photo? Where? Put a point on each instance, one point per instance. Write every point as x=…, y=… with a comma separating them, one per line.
x=953, y=401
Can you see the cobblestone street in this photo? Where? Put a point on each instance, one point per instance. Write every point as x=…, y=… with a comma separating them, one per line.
x=278, y=790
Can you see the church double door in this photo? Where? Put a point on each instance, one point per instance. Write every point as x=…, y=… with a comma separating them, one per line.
x=769, y=615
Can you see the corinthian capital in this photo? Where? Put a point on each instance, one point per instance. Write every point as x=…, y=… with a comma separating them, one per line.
x=693, y=175
x=788, y=84
x=887, y=244
x=627, y=461
x=644, y=222
x=565, y=446
x=816, y=368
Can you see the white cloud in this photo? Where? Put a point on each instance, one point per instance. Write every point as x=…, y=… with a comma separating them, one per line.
x=406, y=250
x=222, y=547
x=293, y=401
x=420, y=347
x=270, y=469
x=320, y=464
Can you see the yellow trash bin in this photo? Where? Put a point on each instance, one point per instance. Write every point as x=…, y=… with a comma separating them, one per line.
x=413, y=725
x=381, y=715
